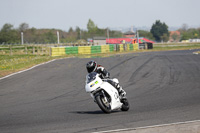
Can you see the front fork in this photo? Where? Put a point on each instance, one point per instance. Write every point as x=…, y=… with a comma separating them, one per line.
x=104, y=97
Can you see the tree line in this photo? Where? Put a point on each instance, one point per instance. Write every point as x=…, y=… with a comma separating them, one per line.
x=159, y=32
x=11, y=35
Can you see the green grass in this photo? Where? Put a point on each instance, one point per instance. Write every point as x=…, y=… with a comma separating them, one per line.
x=176, y=47
x=10, y=64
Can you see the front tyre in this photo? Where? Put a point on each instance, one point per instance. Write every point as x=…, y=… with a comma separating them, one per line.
x=104, y=105
x=125, y=106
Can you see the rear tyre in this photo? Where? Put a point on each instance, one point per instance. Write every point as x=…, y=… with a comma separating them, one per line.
x=103, y=105
x=125, y=106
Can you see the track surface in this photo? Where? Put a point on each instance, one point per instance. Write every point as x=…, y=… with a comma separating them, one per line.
x=162, y=87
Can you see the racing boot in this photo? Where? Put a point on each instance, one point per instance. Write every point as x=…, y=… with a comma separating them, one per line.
x=122, y=93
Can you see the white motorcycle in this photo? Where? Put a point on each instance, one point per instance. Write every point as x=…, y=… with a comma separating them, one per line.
x=104, y=94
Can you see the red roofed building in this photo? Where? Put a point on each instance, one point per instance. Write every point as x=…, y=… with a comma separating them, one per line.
x=144, y=43
x=144, y=40
x=126, y=40
x=129, y=34
x=174, y=36
x=118, y=40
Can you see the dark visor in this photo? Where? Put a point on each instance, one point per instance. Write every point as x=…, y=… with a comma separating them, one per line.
x=91, y=69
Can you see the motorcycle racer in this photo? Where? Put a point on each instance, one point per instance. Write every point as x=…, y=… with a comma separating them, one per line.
x=92, y=66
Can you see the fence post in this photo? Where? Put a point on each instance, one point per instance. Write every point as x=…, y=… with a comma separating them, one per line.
x=11, y=53
x=42, y=49
x=49, y=51
x=37, y=50
x=33, y=49
x=26, y=49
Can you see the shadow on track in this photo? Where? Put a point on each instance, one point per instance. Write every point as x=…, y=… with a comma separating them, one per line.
x=92, y=112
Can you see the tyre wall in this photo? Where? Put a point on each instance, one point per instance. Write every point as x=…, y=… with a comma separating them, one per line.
x=60, y=51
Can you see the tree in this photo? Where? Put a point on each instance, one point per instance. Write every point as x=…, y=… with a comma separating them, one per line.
x=115, y=34
x=23, y=27
x=184, y=27
x=185, y=36
x=50, y=37
x=146, y=34
x=91, y=26
x=9, y=35
x=198, y=29
x=6, y=27
x=191, y=33
x=78, y=31
x=159, y=31
x=70, y=30
x=165, y=37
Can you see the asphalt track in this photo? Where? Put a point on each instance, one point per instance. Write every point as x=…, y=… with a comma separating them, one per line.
x=162, y=88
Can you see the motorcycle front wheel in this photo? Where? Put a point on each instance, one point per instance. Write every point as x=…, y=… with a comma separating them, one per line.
x=103, y=104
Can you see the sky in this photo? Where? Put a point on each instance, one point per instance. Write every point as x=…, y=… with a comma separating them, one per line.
x=63, y=14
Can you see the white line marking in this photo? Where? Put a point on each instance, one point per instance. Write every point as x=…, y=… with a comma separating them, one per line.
x=136, y=128
x=30, y=68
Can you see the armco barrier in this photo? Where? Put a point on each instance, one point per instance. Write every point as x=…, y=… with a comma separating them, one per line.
x=60, y=51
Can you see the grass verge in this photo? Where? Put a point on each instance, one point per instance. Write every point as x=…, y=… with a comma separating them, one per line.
x=176, y=47
x=11, y=64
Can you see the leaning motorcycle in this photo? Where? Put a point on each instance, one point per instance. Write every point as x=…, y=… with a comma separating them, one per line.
x=104, y=94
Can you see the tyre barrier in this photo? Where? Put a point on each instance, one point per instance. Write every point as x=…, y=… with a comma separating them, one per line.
x=72, y=50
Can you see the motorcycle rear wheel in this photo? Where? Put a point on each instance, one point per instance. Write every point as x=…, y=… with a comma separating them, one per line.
x=125, y=106
x=102, y=105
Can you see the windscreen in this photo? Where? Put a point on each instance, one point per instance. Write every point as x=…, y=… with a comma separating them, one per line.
x=91, y=77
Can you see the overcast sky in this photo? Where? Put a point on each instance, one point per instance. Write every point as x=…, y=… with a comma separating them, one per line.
x=63, y=14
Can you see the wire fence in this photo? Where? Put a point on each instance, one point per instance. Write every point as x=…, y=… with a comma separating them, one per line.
x=25, y=49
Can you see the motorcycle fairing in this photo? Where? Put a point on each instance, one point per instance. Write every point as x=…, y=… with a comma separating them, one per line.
x=115, y=104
